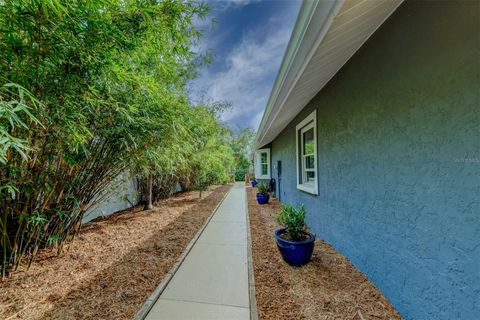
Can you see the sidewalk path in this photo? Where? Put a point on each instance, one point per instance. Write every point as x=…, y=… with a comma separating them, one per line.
x=212, y=281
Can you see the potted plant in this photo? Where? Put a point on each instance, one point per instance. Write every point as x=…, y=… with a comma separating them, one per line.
x=262, y=194
x=293, y=240
x=254, y=182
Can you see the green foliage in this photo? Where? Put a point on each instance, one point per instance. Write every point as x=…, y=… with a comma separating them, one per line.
x=197, y=153
x=212, y=160
x=101, y=91
x=242, y=167
x=15, y=115
x=242, y=148
x=293, y=220
x=262, y=188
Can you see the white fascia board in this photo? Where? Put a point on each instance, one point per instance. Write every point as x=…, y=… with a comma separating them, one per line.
x=313, y=21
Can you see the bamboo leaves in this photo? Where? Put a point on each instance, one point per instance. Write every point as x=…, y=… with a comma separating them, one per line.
x=101, y=93
x=15, y=115
x=111, y=77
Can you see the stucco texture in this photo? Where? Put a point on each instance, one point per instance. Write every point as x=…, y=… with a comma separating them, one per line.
x=399, y=160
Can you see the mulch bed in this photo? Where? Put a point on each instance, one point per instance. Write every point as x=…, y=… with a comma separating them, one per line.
x=328, y=287
x=113, y=266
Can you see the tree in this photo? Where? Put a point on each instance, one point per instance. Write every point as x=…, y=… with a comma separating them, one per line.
x=242, y=148
x=212, y=157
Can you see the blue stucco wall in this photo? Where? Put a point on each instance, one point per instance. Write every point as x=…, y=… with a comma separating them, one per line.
x=399, y=160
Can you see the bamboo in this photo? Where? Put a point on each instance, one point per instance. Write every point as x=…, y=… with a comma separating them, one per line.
x=110, y=99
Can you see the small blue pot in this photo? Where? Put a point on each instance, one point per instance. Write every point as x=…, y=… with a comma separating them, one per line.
x=295, y=253
x=262, y=198
x=254, y=183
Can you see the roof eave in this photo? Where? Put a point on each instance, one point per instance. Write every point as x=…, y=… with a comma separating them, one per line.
x=314, y=18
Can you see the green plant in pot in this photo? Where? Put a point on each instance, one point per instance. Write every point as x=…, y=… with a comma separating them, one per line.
x=262, y=194
x=294, y=242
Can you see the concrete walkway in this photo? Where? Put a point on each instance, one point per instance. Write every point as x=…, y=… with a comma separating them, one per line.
x=212, y=281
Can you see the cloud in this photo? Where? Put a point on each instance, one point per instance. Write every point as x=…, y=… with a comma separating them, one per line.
x=227, y=4
x=248, y=73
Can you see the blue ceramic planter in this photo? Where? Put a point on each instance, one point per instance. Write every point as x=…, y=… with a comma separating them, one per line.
x=254, y=183
x=262, y=198
x=295, y=253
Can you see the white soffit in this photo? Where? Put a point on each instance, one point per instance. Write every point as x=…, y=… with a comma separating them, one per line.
x=326, y=35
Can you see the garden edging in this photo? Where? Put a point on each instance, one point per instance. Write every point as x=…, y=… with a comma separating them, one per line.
x=251, y=276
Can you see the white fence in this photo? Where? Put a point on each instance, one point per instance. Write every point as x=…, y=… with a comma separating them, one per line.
x=121, y=195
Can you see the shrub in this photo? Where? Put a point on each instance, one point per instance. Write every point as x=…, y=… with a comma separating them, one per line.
x=262, y=188
x=240, y=174
x=242, y=147
x=294, y=221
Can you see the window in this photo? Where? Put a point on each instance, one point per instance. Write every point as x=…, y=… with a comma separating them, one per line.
x=262, y=164
x=307, y=154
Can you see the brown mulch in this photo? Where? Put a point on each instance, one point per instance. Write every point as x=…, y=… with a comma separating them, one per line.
x=114, y=264
x=328, y=287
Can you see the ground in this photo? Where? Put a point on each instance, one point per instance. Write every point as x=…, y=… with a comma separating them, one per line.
x=328, y=287
x=112, y=267
x=212, y=282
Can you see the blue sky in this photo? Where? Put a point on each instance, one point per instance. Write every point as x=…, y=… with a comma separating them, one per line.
x=248, y=41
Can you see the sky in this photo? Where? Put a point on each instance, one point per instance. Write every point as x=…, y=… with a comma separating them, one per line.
x=248, y=41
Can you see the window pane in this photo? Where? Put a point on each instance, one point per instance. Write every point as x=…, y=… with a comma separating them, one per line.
x=308, y=145
x=264, y=169
x=263, y=157
x=310, y=176
x=310, y=162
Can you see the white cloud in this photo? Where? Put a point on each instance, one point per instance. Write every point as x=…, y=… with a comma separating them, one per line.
x=247, y=77
x=227, y=4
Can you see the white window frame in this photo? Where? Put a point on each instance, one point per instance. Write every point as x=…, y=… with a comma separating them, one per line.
x=258, y=164
x=308, y=123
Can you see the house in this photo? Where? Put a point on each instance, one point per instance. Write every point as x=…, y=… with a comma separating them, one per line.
x=373, y=123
